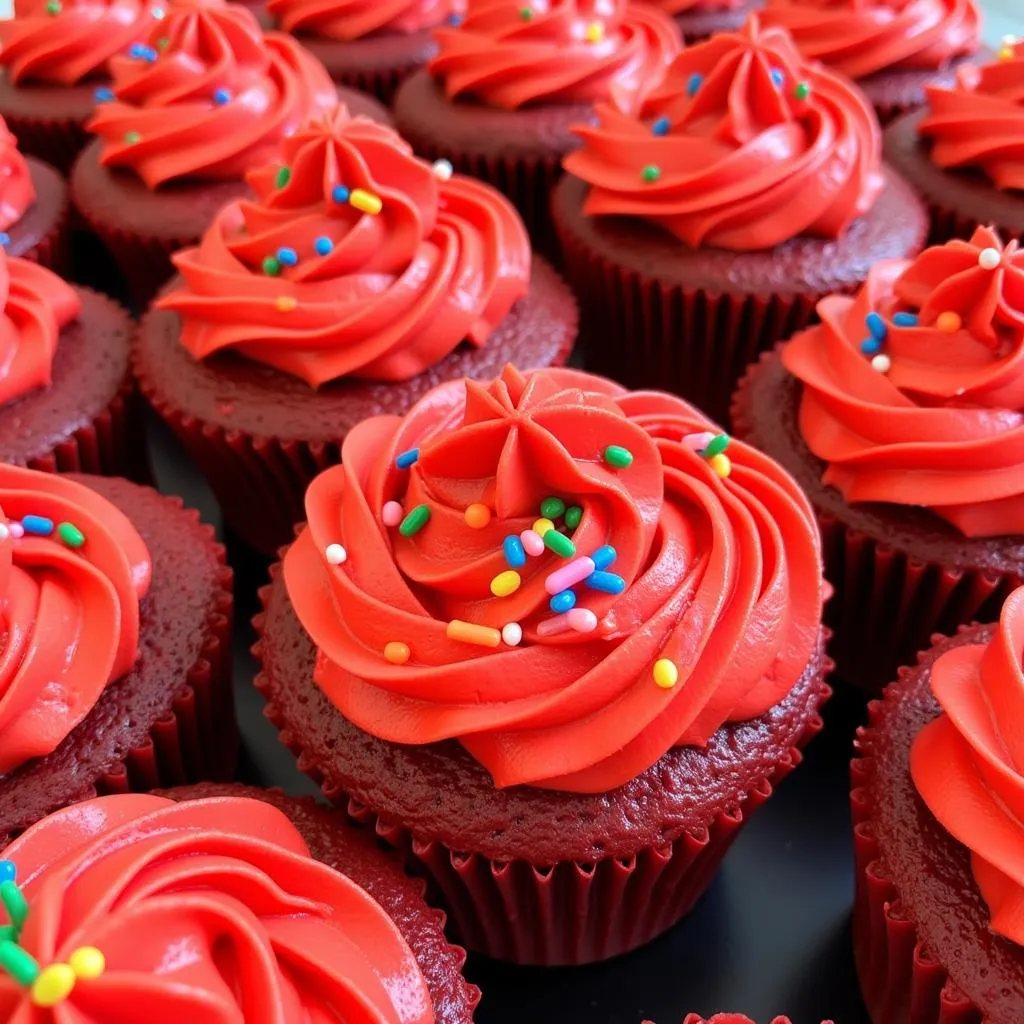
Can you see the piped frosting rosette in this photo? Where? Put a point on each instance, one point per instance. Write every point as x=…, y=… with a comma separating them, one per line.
x=913, y=390
x=347, y=20
x=355, y=257
x=17, y=192
x=131, y=908
x=568, y=578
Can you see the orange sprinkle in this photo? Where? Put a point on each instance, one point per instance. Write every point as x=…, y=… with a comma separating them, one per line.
x=396, y=652
x=470, y=633
x=948, y=322
x=477, y=515
x=286, y=303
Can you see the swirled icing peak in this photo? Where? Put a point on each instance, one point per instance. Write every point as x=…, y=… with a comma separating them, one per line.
x=743, y=146
x=208, y=96
x=914, y=389
x=346, y=20
x=17, y=193
x=35, y=306
x=968, y=764
x=72, y=571
x=208, y=910
x=354, y=258
x=979, y=123
x=568, y=578
x=862, y=37
x=509, y=54
x=63, y=42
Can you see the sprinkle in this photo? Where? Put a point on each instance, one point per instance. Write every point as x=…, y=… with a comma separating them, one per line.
x=286, y=303
x=8, y=872
x=221, y=96
x=573, y=516
x=778, y=77
x=989, y=259
x=139, y=51
x=869, y=346
x=470, y=633
x=104, y=94
x=391, y=514
x=53, y=7
x=271, y=266
x=881, y=363
x=323, y=245
x=163, y=42
x=14, y=903
x=552, y=508
x=512, y=634
x=131, y=137
x=477, y=515
x=406, y=459
x=71, y=535
x=563, y=602
x=365, y=201
x=582, y=620
x=802, y=90
x=905, y=319
x=159, y=13
x=661, y=126
x=665, y=673
x=53, y=985
x=948, y=322
x=594, y=32
x=515, y=553
x=87, y=962
x=287, y=256
x=876, y=326
x=525, y=13
x=4, y=531
x=1006, y=53
x=17, y=532
x=18, y=963
x=284, y=175
x=559, y=543
x=505, y=583
x=698, y=442
x=542, y=526
x=455, y=20
x=396, y=652
x=340, y=194
x=604, y=556
x=617, y=456
x=721, y=464
x=38, y=526
x=559, y=624
x=5, y=239
x=716, y=446
x=335, y=554
x=651, y=172
x=414, y=521
x=694, y=83
x=606, y=582
x=442, y=169
x=569, y=575
x=1009, y=39
x=533, y=543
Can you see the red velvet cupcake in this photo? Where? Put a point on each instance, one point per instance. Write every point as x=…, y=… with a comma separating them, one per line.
x=562, y=726
x=698, y=19
x=893, y=49
x=938, y=801
x=357, y=279
x=730, y=1018
x=510, y=81
x=116, y=672
x=54, y=57
x=220, y=902
x=902, y=417
x=965, y=153
x=703, y=231
x=204, y=100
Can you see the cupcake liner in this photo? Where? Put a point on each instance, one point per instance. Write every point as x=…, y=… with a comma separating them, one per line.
x=947, y=224
x=381, y=83
x=57, y=141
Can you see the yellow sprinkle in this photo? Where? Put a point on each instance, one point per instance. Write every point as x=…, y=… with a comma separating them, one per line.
x=665, y=673
x=365, y=201
x=396, y=652
x=286, y=303
x=505, y=583
x=542, y=525
x=595, y=32
x=53, y=985
x=470, y=633
x=87, y=962
x=1006, y=53
x=720, y=464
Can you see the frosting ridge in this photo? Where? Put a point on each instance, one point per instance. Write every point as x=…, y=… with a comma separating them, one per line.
x=346, y=20
x=17, y=193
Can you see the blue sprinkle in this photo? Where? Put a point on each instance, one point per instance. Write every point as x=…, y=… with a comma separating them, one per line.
x=140, y=51
x=905, y=319
x=661, y=126
x=876, y=325
x=103, y=94
x=287, y=257
x=515, y=553
x=870, y=346
x=5, y=239
x=406, y=459
x=604, y=556
x=323, y=245
x=38, y=525
x=778, y=77
x=222, y=96
x=563, y=602
x=8, y=872
x=606, y=582
x=455, y=20
x=694, y=84
x=339, y=194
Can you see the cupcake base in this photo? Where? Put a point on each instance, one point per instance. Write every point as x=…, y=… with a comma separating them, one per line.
x=900, y=573
x=700, y=23
x=656, y=313
x=41, y=235
x=924, y=951
x=171, y=719
x=354, y=852
x=894, y=93
x=528, y=875
x=260, y=436
x=958, y=201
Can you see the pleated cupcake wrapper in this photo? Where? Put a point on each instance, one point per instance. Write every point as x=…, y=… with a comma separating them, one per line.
x=57, y=141
x=901, y=981
x=887, y=605
x=381, y=83
x=946, y=224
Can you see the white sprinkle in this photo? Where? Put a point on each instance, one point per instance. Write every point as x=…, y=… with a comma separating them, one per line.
x=335, y=554
x=1009, y=40
x=4, y=532
x=989, y=259
x=512, y=634
x=443, y=169
x=882, y=363
x=17, y=530
x=159, y=13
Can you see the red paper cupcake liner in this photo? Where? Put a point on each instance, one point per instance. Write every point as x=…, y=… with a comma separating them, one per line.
x=900, y=980
x=946, y=224
x=58, y=141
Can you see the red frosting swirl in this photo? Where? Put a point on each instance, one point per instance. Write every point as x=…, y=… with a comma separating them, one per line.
x=719, y=579
x=392, y=293
x=354, y=19
x=64, y=41
x=744, y=146
x=861, y=37
x=69, y=616
x=942, y=424
x=980, y=122
x=36, y=306
x=205, y=910
x=17, y=193
x=968, y=764
x=509, y=55
x=209, y=96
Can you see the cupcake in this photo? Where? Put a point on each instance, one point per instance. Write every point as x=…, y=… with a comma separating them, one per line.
x=510, y=81
x=372, y=47
x=357, y=279
x=204, y=100
x=963, y=153
x=583, y=656
x=704, y=230
x=902, y=417
x=698, y=19
x=219, y=902
x=116, y=672
x=938, y=796
x=53, y=56
x=729, y=1018
x=893, y=49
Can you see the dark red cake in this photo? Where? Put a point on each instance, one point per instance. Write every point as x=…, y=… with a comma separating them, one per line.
x=40, y=234
x=698, y=19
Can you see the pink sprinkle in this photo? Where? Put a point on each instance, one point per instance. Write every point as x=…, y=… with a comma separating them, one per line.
x=391, y=514
x=558, y=624
x=695, y=442
x=17, y=530
x=533, y=542
x=569, y=575
x=583, y=620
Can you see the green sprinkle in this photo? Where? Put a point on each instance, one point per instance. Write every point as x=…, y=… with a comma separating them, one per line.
x=131, y=137
x=716, y=446
x=284, y=175
x=18, y=963
x=414, y=521
x=526, y=13
x=8, y=933
x=552, y=508
x=163, y=42
x=802, y=90
x=617, y=456
x=652, y=172
x=71, y=535
x=573, y=515
x=271, y=266
x=14, y=901
x=559, y=543
x=53, y=7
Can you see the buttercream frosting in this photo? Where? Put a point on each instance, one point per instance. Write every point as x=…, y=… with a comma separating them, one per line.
x=346, y=20
x=17, y=193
